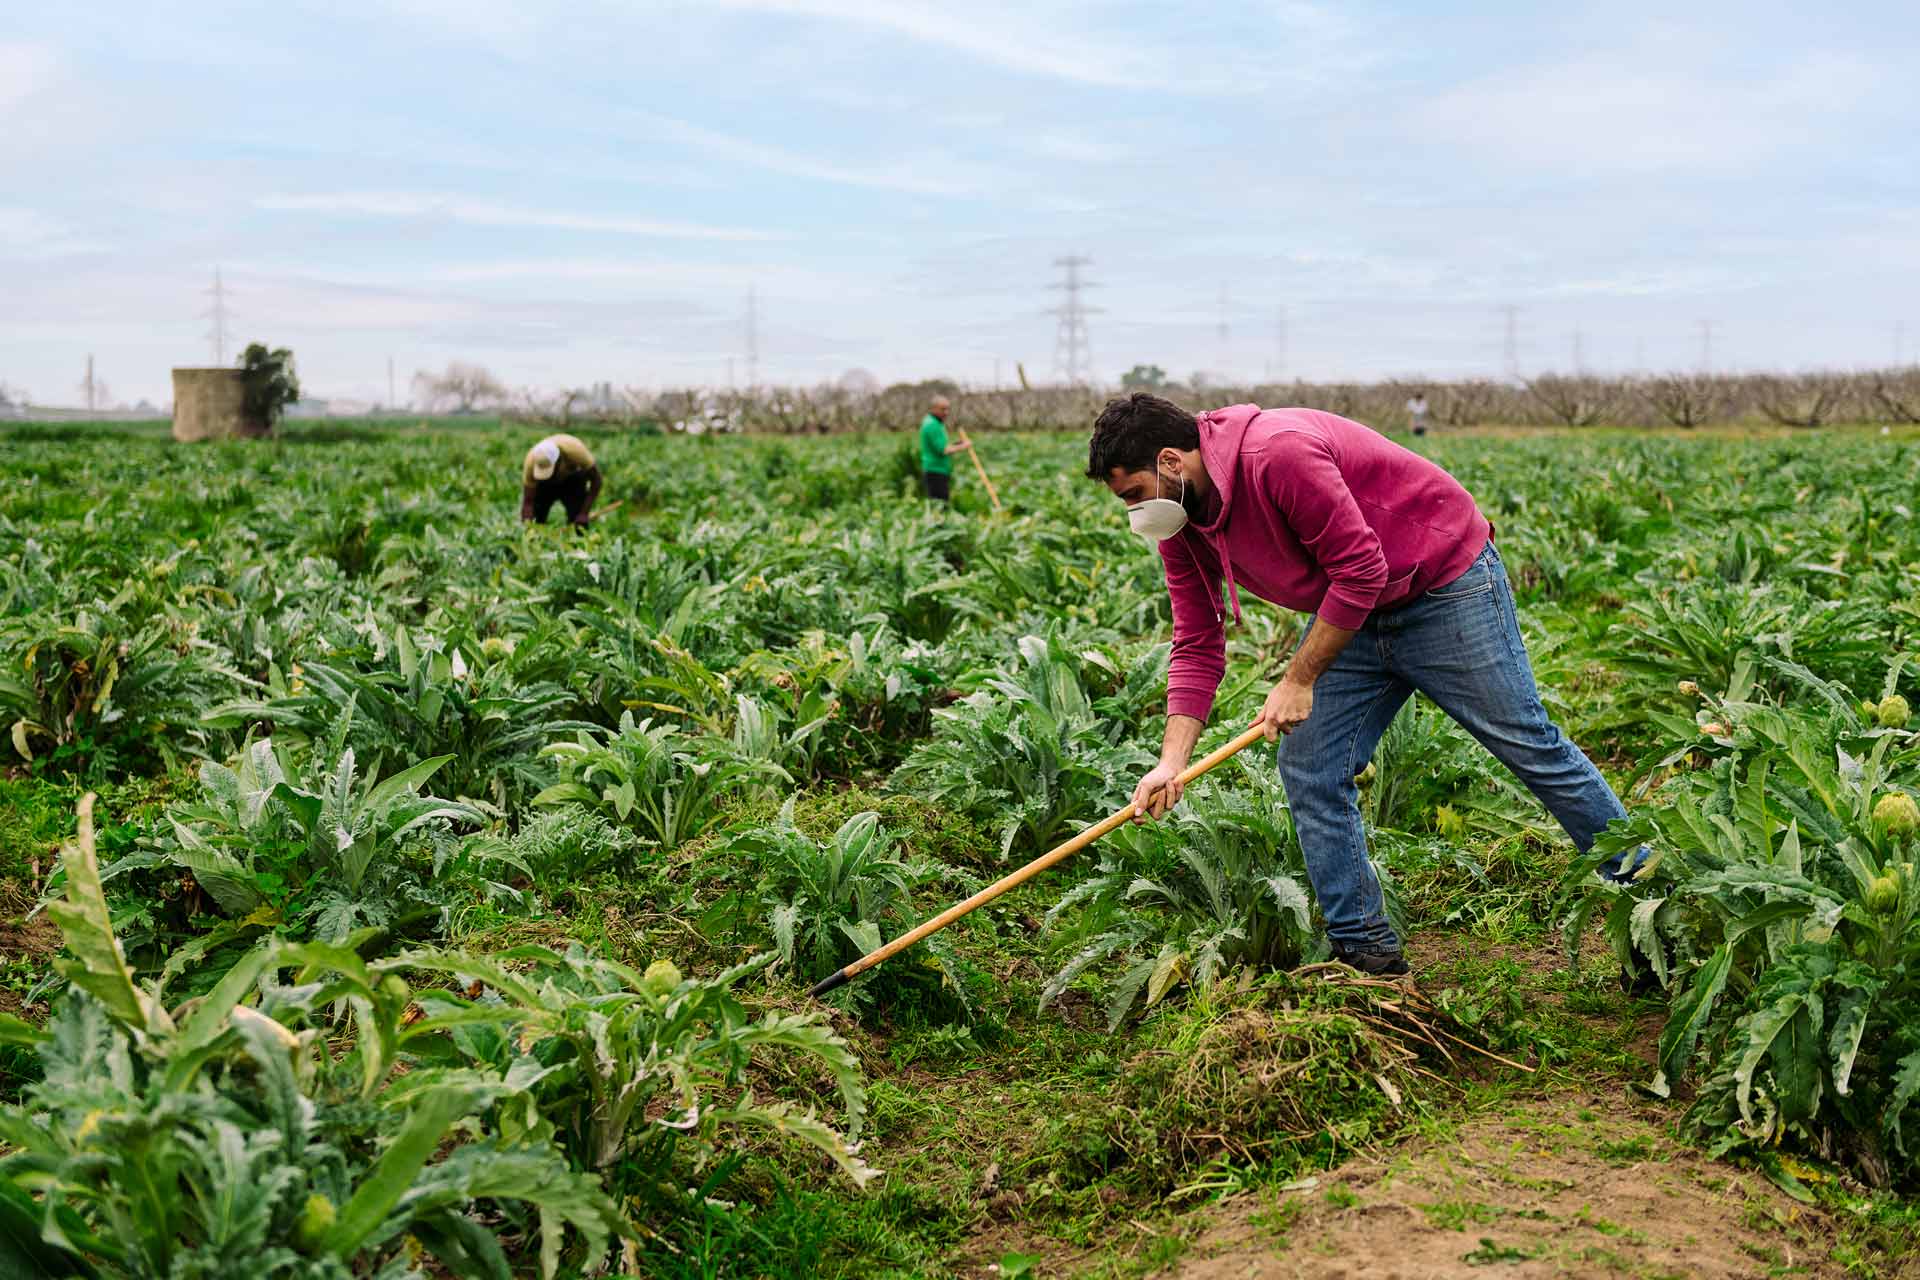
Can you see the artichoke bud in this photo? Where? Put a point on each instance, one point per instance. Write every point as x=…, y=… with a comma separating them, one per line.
x=1883, y=895
x=315, y=1221
x=660, y=979
x=1897, y=815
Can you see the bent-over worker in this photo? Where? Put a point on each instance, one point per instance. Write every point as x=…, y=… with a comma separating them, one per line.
x=1396, y=565
x=559, y=469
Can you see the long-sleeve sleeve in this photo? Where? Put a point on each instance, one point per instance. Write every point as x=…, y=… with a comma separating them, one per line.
x=1199, y=638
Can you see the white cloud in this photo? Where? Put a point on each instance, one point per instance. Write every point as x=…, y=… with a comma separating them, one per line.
x=25, y=69
x=26, y=233
x=930, y=174
x=675, y=276
x=1662, y=102
x=1002, y=39
x=1071, y=146
x=484, y=213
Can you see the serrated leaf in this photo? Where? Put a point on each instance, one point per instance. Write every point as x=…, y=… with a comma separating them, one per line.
x=1689, y=1017
x=98, y=966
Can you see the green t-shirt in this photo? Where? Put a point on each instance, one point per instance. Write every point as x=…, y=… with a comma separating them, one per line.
x=933, y=447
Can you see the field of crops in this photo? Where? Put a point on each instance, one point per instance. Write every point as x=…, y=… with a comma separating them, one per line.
x=451, y=888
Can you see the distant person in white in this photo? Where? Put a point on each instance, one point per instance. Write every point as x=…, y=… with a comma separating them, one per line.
x=1417, y=413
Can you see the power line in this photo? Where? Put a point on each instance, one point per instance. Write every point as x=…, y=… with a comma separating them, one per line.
x=1510, y=346
x=1223, y=333
x=1072, y=355
x=220, y=317
x=1278, y=369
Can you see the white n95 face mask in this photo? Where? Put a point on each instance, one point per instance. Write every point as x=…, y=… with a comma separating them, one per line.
x=1158, y=519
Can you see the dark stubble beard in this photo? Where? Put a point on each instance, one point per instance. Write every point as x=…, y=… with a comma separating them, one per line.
x=1196, y=509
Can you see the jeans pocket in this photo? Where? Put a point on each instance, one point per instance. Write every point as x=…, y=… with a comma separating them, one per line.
x=1476, y=581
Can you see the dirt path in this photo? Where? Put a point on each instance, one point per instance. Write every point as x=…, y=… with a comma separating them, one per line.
x=1580, y=1182
x=1566, y=1186
x=1548, y=1187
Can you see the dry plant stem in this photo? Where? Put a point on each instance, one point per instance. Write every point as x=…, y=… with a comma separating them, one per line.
x=1331, y=971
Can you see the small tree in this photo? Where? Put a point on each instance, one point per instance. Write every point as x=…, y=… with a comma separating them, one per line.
x=269, y=383
x=1896, y=393
x=1809, y=400
x=1687, y=400
x=1576, y=401
x=1144, y=377
x=1466, y=404
x=464, y=387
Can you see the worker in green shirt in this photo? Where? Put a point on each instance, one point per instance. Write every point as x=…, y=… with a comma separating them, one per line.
x=936, y=455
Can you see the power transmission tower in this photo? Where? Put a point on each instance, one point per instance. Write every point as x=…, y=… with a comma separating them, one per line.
x=1224, y=334
x=1706, y=346
x=1072, y=357
x=218, y=313
x=753, y=340
x=1510, y=348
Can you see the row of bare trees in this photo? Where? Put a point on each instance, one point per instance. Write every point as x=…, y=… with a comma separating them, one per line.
x=1673, y=400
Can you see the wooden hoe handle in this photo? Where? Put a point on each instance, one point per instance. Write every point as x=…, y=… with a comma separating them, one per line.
x=981, y=468
x=1026, y=873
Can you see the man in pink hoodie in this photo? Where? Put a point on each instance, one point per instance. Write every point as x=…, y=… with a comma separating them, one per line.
x=1396, y=564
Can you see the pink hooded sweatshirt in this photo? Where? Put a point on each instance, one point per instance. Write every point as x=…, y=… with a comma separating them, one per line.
x=1314, y=513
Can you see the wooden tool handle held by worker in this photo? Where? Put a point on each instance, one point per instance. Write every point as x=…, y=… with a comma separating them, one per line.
x=1028, y=872
x=981, y=469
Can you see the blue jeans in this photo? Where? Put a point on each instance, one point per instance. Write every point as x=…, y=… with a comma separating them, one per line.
x=1460, y=645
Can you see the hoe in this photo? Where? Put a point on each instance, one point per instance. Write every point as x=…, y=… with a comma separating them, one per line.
x=1059, y=852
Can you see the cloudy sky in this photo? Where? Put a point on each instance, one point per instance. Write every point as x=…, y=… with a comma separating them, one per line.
x=583, y=192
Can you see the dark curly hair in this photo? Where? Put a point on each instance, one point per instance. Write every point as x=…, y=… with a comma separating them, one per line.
x=1132, y=430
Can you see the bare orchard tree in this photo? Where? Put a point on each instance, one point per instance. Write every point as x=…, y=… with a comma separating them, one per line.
x=1896, y=395
x=1576, y=400
x=1469, y=403
x=1687, y=400
x=1807, y=400
x=463, y=388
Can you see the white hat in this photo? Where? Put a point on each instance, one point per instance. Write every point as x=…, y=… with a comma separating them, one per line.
x=546, y=456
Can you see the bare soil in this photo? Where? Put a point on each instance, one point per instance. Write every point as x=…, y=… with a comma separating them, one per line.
x=1561, y=1183
x=1567, y=1186
x=1557, y=1186
x=35, y=941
